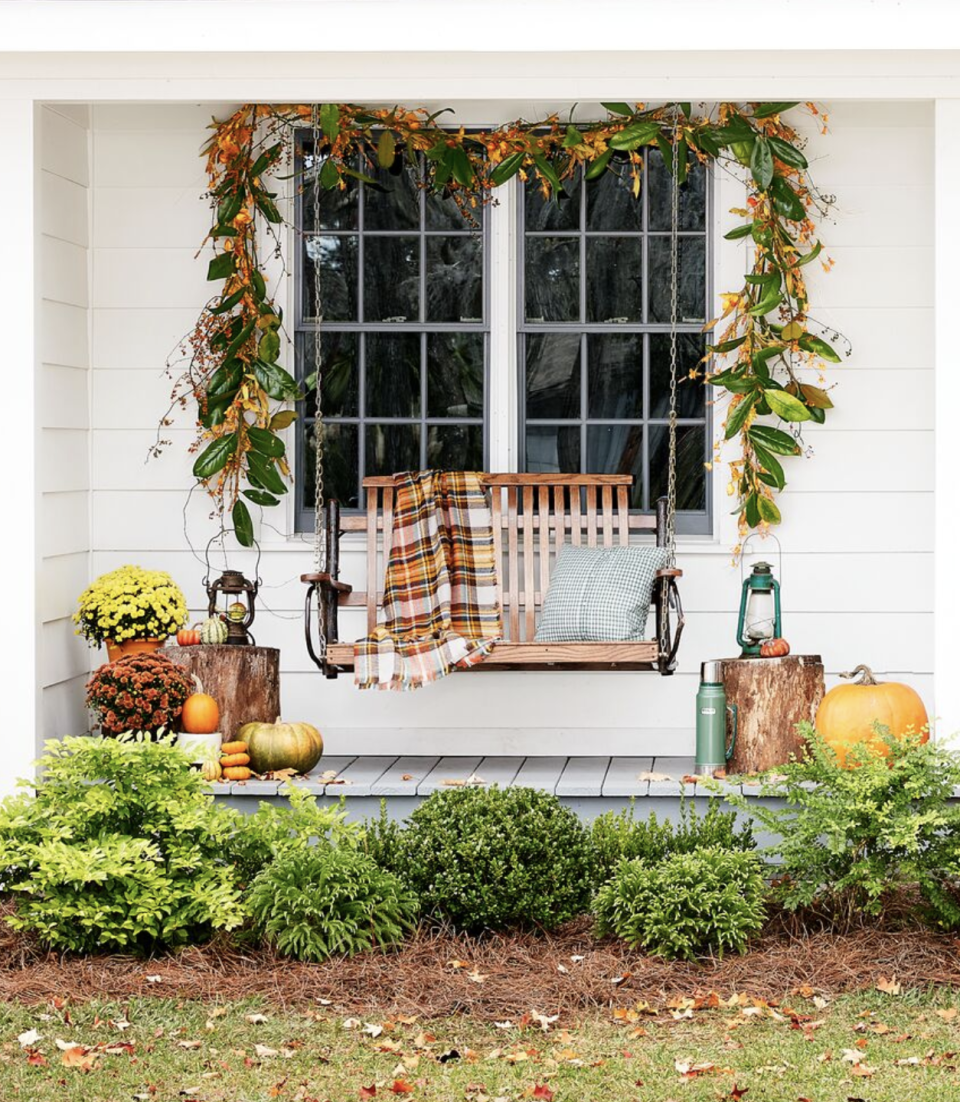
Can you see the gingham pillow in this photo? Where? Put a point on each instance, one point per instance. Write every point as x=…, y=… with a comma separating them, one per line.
x=599, y=594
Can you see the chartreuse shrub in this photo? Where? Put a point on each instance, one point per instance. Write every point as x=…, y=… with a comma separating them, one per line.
x=619, y=834
x=493, y=858
x=850, y=839
x=120, y=847
x=686, y=904
x=314, y=902
x=272, y=832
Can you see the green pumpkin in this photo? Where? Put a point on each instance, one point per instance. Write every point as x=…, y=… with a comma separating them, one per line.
x=275, y=746
x=213, y=630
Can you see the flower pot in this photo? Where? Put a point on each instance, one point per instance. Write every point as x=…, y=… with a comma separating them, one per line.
x=132, y=646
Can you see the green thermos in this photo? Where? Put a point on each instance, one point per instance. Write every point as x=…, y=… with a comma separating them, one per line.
x=712, y=708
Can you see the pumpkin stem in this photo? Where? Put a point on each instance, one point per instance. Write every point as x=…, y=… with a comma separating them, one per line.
x=197, y=682
x=866, y=675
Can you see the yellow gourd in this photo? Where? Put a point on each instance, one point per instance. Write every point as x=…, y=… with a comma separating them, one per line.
x=237, y=773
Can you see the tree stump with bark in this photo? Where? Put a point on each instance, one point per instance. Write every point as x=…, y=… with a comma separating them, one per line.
x=772, y=696
x=244, y=681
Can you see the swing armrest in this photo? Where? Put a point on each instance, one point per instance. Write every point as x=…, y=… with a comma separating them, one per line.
x=326, y=582
x=669, y=572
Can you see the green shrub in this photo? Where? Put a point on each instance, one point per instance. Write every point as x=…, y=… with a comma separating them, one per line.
x=494, y=858
x=270, y=832
x=849, y=839
x=685, y=904
x=120, y=848
x=619, y=835
x=321, y=901
x=383, y=839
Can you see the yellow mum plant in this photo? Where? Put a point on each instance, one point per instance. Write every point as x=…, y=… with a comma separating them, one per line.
x=130, y=603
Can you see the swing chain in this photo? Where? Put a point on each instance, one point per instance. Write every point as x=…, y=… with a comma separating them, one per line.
x=319, y=529
x=671, y=533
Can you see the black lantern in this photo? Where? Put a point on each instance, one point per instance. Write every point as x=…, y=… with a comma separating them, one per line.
x=233, y=598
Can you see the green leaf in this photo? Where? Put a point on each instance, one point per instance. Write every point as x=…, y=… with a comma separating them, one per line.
x=633, y=135
x=706, y=140
x=816, y=397
x=461, y=166
x=260, y=497
x=727, y=346
x=735, y=129
x=386, y=149
x=228, y=303
x=738, y=416
x=765, y=110
x=737, y=382
x=770, y=464
x=618, y=108
x=225, y=380
x=599, y=166
x=811, y=255
x=266, y=158
x=283, y=419
x=242, y=524
x=221, y=266
x=239, y=341
x=572, y=137
x=740, y=231
x=329, y=174
x=752, y=511
x=682, y=161
x=265, y=442
x=362, y=176
x=766, y=305
x=761, y=163
x=666, y=152
x=507, y=169
x=267, y=207
x=330, y=120
x=214, y=457
x=265, y=473
x=269, y=346
x=786, y=201
x=774, y=440
x=275, y=381
x=229, y=207
x=819, y=347
x=787, y=153
x=686, y=108
x=786, y=406
x=768, y=353
x=548, y=172
x=768, y=510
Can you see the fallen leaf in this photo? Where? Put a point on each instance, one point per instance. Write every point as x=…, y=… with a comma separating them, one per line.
x=862, y=1070
x=29, y=1038
x=689, y=1070
x=154, y=979
x=504, y=1025
x=407, y=777
x=79, y=1057
x=476, y=976
x=65, y=1046
x=36, y=1059
x=541, y=1090
x=888, y=987
x=948, y=1015
x=351, y=1023
x=373, y=1028
x=369, y=1092
x=544, y=1021
x=265, y=1052
x=577, y=957
x=648, y=776
x=256, y=1019
x=401, y=1086
x=189, y=1044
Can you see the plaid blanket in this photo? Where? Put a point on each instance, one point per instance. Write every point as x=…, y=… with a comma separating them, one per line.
x=440, y=603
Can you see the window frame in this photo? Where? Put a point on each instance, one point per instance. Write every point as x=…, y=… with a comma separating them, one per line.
x=304, y=331
x=689, y=522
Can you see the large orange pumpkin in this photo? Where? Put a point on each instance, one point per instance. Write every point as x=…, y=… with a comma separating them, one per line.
x=848, y=712
x=274, y=746
x=201, y=715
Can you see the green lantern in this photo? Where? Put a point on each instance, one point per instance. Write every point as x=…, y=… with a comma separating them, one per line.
x=759, y=610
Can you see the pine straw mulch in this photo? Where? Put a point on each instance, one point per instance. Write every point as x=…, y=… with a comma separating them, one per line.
x=439, y=973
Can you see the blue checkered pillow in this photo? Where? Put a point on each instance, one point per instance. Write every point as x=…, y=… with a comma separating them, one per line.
x=599, y=594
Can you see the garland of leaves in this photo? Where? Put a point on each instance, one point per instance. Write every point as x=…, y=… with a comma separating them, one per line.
x=241, y=391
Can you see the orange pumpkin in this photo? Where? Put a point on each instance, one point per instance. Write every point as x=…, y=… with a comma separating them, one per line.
x=201, y=715
x=774, y=648
x=848, y=712
x=188, y=637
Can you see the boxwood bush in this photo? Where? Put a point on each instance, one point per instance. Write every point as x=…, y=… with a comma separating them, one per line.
x=685, y=905
x=493, y=858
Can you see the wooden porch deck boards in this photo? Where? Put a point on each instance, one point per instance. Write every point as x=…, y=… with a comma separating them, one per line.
x=418, y=776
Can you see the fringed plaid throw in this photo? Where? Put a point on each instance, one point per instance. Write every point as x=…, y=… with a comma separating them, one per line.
x=440, y=603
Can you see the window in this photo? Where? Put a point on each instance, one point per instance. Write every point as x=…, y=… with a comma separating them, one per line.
x=594, y=357
x=405, y=333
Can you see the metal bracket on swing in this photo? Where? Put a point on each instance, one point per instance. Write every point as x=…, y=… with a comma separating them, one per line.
x=323, y=595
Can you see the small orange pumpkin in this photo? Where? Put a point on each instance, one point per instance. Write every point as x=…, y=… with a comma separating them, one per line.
x=774, y=648
x=201, y=715
x=188, y=637
x=848, y=712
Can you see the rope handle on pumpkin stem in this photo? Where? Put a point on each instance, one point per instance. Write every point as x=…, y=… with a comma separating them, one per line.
x=865, y=672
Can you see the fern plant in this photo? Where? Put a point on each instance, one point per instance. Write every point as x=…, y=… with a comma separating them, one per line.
x=317, y=902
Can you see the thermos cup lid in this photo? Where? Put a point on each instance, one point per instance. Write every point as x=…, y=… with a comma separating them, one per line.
x=711, y=672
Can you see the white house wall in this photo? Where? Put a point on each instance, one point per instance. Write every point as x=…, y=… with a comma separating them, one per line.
x=63, y=468
x=858, y=533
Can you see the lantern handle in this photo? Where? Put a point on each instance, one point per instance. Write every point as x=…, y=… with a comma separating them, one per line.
x=768, y=536
x=206, y=556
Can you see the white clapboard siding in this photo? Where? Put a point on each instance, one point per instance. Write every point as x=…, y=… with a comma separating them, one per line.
x=857, y=535
x=63, y=441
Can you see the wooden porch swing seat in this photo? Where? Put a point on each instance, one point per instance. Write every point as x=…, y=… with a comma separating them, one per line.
x=533, y=516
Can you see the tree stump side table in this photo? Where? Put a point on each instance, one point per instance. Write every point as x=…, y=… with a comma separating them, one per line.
x=244, y=681
x=772, y=696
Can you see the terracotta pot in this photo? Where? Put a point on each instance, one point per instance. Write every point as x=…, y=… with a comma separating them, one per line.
x=132, y=646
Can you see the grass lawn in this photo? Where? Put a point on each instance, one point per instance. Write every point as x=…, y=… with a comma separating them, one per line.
x=873, y=1047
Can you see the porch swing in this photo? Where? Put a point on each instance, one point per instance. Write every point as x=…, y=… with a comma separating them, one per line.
x=533, y=516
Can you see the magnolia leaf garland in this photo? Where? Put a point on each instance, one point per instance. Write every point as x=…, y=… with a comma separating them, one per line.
x=763, y=334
